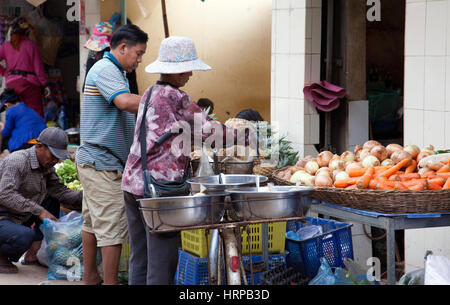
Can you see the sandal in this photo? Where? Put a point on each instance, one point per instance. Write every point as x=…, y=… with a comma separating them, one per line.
x=8, y=271
x=36, y=262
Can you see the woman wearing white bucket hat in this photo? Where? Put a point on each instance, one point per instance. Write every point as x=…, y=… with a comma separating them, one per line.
x=164, y=106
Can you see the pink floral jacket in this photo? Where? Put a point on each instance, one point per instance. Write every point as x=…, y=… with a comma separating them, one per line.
x=169, y=107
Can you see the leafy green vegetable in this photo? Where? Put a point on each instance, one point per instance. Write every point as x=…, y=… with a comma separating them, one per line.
x=67, y=173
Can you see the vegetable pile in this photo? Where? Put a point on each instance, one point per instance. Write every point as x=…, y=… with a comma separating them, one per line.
x=374, y=166
x=67, y=173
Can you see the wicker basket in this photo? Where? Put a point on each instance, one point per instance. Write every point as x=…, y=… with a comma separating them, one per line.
x=277, y=181
x=387, y=202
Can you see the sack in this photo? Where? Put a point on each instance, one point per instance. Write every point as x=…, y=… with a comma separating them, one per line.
x=437, y=270
x=153, y=188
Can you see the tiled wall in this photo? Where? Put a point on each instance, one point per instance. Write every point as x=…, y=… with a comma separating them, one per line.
x=427, y=103
x=296, y=40
x=296, y=46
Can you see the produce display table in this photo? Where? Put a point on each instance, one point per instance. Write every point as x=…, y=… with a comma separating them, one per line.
x=388, y=222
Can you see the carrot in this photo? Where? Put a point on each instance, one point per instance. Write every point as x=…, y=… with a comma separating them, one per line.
x=438, y=180
x=395, y=177
x=363, y=182
x=412, y=167
x=446, y=185
x=393, y=169
x=409, y=176
x=419, y=186
x=444, y=175
x=356, y=172
x=345, y=182
x=381, y=185
x=444, y=169
x=379, y=169
x=400, y=187
x=428, y=174
x=373, y=184
x=433, y=186
x=351, y=187
x=414, y=181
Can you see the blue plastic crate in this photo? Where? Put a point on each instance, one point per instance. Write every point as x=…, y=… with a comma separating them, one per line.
x=334, y=244
x=193, y=270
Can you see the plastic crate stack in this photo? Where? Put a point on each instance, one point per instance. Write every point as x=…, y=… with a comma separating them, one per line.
x=193, y=262
x=193, y=270
x=334, y=244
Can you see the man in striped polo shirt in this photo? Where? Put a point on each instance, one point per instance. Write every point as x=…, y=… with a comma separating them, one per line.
x=106, y=131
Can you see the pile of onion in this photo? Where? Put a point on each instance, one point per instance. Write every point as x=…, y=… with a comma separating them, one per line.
x=324, y=158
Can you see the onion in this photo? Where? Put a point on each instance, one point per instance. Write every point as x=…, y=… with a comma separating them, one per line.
x=370, y=161
x=302, y=162
x=294, y=169
x=336, y=164
x=341, y=176
x=357, y=149
x=323, y=181
x=301, y=176
x=364, y=153
x=413, y=150
x=380, y=152
x=370, y=144
x=311, y=167
x=391, y=148
x=353, y=164
x=324, y=170
x=430, y=147
x=387, y=162
x=423, y=154
x=324, y=158
x=348, y=156
x=400, y=155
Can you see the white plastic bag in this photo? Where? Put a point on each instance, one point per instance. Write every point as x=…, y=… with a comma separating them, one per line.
x=437, y=270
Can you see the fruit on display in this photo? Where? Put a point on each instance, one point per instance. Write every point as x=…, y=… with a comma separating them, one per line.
x=374, y=166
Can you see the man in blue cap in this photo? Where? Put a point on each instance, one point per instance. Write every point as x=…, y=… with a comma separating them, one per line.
x=27, y=180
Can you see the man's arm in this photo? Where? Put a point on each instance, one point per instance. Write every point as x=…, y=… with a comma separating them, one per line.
x=69, y=198
x=127, y=102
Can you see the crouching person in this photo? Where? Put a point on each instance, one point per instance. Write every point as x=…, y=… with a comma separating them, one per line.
x=30, y=191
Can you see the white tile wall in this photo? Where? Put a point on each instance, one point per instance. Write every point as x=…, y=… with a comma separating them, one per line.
x=427, y=103
x=296, y=38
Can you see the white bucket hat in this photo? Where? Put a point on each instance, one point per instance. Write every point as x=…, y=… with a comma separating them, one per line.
x=176, y=55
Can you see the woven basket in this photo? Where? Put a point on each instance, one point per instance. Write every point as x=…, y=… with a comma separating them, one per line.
x=277, y=181
x=387, y=202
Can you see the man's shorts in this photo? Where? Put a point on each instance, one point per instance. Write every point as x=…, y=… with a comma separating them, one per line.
x=103, y=206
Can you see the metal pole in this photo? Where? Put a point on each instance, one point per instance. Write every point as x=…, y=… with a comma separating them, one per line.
x=390, y=245
x=231, y=250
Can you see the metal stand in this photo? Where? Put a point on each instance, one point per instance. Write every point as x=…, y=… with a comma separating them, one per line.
x=390, y=224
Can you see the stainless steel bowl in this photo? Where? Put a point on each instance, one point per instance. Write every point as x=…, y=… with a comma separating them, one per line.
x=176, y=212
x=212, y=184
x=249, y=203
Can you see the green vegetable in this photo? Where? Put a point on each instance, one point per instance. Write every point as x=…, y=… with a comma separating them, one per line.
x=67, y=173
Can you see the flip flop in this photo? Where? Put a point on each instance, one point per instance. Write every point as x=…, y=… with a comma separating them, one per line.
x=23, y=262
x=15, y=270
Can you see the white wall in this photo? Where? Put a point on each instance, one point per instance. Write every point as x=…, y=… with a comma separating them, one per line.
x=296, y=31
x=427, y=104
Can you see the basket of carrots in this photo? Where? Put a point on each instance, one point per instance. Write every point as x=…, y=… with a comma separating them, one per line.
x=396, y=189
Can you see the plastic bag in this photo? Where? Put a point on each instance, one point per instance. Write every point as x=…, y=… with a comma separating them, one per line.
x=64, y=250
x=416, y=277
x=437, y=270
x=205, y=168
x=325, y=275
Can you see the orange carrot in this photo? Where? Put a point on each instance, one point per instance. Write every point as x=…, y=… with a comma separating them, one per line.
x=395, y=177
x=446, y=185
x=438, y=180
x=400, y=187
x=381, y=185
x=433, y=186
x=419, y=186
x=373, y=184
x=345, y=182
x=409, y=176
x=412, y=167
x=351, y=187
x=356, y=172
x=393, y=169
x=444, y=169
x=363, y=182
x=428, y=174
x=444, y=175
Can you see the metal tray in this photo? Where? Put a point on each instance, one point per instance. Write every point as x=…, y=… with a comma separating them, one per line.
x=212, y=185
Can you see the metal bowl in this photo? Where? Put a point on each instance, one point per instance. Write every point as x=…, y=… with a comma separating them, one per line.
x=212, y=185
x=183, y=211
x=250, y=203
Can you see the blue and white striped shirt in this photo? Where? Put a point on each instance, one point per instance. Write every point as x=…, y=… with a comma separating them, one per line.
x=106, y=132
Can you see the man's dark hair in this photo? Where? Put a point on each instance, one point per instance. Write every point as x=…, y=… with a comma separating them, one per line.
x=10, y=96
x=250, y=115
x=205, y=103
x=129, y=33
